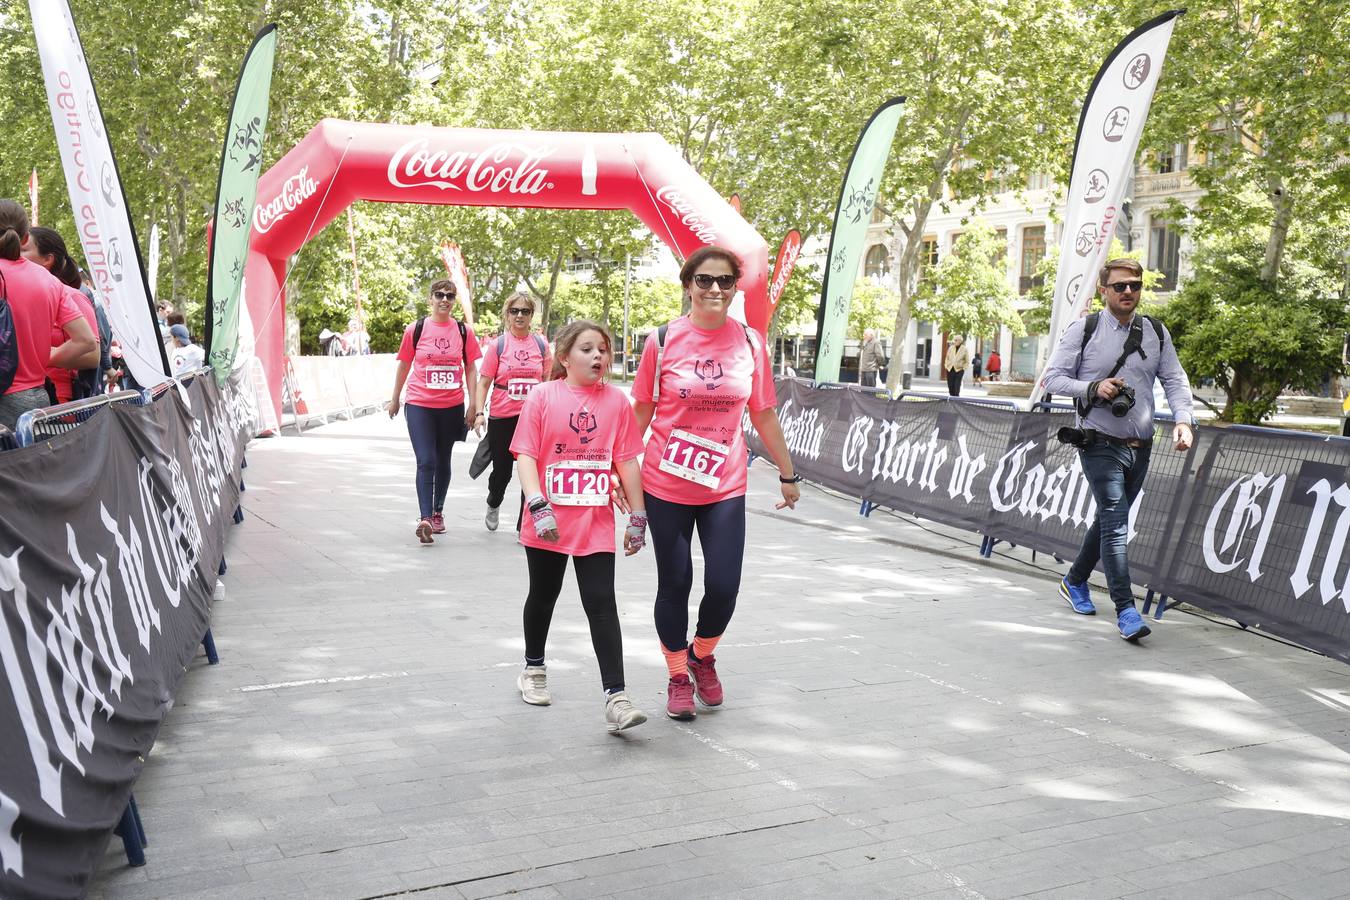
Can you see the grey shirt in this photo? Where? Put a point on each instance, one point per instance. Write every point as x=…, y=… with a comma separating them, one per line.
x=871, y=357
x=1068, y=375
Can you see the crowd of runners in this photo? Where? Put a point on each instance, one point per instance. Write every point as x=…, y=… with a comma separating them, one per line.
x=577, y=445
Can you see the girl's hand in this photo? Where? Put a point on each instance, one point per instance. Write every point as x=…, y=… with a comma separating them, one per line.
x=791, y=494
x=635, y=535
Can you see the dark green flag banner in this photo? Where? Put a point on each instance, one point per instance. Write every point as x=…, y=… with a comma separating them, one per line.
x=851, y=218
x=240, y=166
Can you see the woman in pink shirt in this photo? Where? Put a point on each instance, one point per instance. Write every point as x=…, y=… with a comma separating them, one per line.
x=439, y=352
x=573, y=431
x=697, y=377
x=46, y=248
x=513, y=365
x=37, y=303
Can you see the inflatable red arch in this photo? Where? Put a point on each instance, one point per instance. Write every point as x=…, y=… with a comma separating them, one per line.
x=340, y=162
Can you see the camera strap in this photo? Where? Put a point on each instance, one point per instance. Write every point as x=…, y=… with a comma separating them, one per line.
x=1134, y=343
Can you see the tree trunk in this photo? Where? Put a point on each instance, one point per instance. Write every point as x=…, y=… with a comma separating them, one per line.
x=909, y=258
x=1279, y=231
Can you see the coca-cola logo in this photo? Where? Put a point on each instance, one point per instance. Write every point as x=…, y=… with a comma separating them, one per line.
x=505, y=167
x=788, y=260
x=690, y=217
x=296, y=190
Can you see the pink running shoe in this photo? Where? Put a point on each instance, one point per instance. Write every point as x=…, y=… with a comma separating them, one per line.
x=706, y=683
x=680, y=698
x=424, y=530
x=437, y=523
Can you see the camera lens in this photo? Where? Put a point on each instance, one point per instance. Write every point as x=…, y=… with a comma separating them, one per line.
x=1122, y=403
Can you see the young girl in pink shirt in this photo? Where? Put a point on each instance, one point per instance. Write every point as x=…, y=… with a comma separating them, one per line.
x=711, y=370
x=573, y=431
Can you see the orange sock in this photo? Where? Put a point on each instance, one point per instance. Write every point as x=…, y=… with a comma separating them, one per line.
x=677, y=661
x=703, y=647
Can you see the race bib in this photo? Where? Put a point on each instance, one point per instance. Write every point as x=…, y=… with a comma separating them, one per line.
x=695, y=459
x=517, y=388
x=578, y=482
x=443, y=378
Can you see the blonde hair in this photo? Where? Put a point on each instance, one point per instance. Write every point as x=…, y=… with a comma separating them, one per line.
x=567, y=337
x=511, y=301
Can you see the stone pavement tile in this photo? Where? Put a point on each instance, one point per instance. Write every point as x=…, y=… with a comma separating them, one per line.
x=1096, y=888
x=1322, y=887
x=514, y=883
x=1228, y=884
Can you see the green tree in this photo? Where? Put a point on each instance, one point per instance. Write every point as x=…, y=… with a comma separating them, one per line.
x=873, y=307
x=968, y=292
x=1256, y=341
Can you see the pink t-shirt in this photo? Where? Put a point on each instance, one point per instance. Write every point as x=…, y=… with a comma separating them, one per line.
x=576, y=435
x=519, y=370
x=438, y=366
x=64, y=379
x=696, y=453
x=39, y=304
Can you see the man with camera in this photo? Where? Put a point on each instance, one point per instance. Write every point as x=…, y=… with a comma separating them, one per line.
x=1107, y=362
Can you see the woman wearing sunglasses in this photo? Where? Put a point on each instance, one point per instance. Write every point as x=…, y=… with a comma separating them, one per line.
x=512, y=365
x=697, y=377
x=440, y=352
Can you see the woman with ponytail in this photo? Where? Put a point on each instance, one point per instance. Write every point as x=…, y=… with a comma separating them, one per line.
x=36, y=303
x=46, y=248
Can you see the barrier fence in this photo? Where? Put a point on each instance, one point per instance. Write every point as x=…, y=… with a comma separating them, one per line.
x=113, y=531
x=324, y=387
x=1249, y=523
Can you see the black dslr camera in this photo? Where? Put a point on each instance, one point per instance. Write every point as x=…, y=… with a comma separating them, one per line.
x=1120, y=404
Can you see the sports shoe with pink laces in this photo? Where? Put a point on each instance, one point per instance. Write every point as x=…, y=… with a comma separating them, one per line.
x=703, y=672
x=437, y=523
x=680, y=698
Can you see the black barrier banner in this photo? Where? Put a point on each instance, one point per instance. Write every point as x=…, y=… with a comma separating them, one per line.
x=110, y=539
x=1249, y=523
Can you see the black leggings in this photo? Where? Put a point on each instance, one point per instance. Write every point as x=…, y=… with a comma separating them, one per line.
x=499, y=435
x=721, y=534
x=595, y=580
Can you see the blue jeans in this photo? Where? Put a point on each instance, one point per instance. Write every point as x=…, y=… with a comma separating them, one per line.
x=433, y=433
x=1115, y=474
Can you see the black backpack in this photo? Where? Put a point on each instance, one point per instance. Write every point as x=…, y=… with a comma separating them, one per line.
x=9, y=342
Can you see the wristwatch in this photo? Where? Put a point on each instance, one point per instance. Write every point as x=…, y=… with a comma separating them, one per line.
x=793, y=480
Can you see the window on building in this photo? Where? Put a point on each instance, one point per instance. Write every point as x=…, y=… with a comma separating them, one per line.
x=1038, y=181
x=1164, y=253
x=1033, y=251
x=928, y=253
x=878, y=262
x=1172, y=159
x=1002, y=243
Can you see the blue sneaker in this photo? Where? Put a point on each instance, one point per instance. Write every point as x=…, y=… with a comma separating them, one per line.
x=1079, y=597
x=1132, y=626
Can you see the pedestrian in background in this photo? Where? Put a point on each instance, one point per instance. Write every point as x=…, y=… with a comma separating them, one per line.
x=871, y=359
x=955, y=364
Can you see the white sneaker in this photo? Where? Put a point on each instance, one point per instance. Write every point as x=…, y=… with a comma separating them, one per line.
x=490, y=520
x=620, y=713
x=533, y=684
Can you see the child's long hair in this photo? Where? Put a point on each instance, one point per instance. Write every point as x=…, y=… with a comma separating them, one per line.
x=567, y=337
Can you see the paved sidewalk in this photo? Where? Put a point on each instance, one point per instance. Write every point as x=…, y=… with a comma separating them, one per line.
x=903, y=720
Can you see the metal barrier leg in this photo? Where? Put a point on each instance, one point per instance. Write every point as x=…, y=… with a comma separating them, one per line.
x=209, y=644
x=1148, y=603
x=132, y=834
x=241, y=486
x=221, y=570
x=238, y=515
x=866, y=509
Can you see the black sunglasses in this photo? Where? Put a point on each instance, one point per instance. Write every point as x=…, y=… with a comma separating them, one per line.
x=1121, y=287
x=725, y=282
x=517, y=311
x=443, y=295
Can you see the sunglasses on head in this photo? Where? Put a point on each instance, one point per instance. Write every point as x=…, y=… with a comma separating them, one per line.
x=519, y=311
x=725, y=282
x=1121, y=287
x=443, y=295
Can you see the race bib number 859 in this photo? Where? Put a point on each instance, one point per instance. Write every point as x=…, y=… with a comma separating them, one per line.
x=442, y=378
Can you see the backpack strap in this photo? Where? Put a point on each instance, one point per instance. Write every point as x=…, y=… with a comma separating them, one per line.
x=417, y=334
